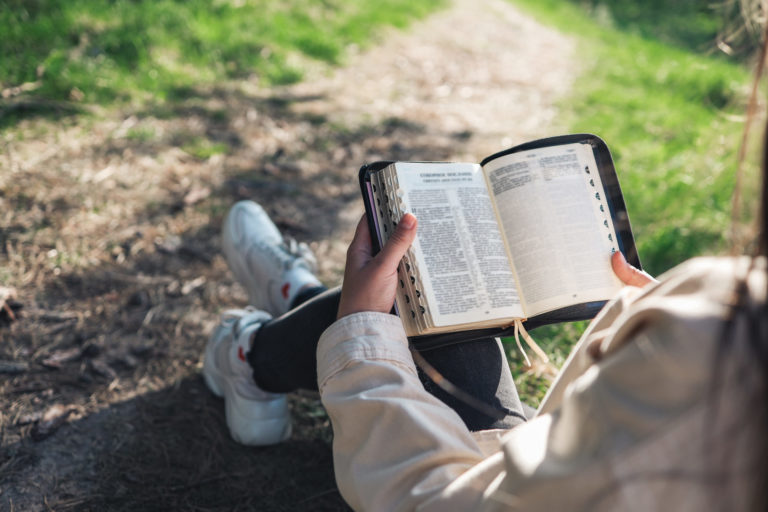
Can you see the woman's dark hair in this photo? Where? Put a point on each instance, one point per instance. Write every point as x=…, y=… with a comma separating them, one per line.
x=762, y=227
x=747, y=312
x=757, y=318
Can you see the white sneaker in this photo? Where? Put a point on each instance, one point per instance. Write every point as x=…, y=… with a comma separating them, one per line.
x=272, y=269
x=254, y=417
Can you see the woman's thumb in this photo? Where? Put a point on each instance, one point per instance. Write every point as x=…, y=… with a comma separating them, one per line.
x=399, y=242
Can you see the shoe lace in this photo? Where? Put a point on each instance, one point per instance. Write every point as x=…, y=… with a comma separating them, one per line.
x=290, y=254
x=301, y=252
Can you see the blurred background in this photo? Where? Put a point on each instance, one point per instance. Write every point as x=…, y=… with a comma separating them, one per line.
x=128, y=128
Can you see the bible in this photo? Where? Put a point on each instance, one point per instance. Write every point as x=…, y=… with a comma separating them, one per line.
x=524, y=236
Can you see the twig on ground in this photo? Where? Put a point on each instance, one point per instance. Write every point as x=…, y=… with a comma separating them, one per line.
x=53, y=316
x=13, y=367
x=318, y=495
x=7, y=294
x=9, y=311
x=10, y=92
x=138, y=278
x=52, y=420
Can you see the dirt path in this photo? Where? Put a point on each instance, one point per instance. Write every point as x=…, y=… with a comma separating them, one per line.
x=109, y=236
x=472, y=80
x=480, y=70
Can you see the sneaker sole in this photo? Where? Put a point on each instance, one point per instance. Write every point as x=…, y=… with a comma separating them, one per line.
x=250, y=422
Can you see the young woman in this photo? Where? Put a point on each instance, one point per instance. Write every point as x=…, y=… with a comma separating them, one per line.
x=661, y=406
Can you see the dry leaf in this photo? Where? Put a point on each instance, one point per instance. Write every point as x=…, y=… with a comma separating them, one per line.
x=52, y=419
x=58, y=358
x=196, y=195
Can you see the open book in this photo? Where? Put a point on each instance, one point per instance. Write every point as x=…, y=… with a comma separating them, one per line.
x=526, y=235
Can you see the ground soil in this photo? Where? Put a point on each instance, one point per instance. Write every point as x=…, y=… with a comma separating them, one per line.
x=112, y=279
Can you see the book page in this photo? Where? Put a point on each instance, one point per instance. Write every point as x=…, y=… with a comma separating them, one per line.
x=555, y=221
x=459, y=250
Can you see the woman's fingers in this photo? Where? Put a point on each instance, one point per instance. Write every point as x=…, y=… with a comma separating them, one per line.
x=359, y=252
x=370, y=282
x=628, y=274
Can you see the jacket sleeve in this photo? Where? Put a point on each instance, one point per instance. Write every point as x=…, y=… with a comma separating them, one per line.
x=632, y=428
x=395, y=445
x=630, y=410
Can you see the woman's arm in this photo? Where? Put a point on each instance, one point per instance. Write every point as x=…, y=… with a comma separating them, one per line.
x=395, y=445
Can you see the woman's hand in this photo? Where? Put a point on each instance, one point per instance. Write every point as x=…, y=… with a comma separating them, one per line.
x=628, y=274
x=370, y=281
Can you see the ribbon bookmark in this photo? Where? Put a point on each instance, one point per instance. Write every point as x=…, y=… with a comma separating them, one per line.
x=519, y=329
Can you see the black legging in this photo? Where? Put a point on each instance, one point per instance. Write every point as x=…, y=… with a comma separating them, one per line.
x=283, y=357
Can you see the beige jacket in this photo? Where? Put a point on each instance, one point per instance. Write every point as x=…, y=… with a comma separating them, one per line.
x=630, y=423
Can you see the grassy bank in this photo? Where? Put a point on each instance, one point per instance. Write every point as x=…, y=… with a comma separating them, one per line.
x=103, y=52
x=670, y=107
x=672, y=117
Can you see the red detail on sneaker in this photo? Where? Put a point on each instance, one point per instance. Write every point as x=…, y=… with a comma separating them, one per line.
x=284, y=289
x=240, y=354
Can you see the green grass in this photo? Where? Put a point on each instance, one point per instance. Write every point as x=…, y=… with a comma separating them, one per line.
x=670, y=110
x=118, y=50
x=689, y=24
x=668, y=115
x=674, y=146
x=203, y=148
x=141, y=134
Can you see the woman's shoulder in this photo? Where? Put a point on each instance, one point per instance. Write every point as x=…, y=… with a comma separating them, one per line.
x=718, y=265
x=686, y=308
x=713, y=279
